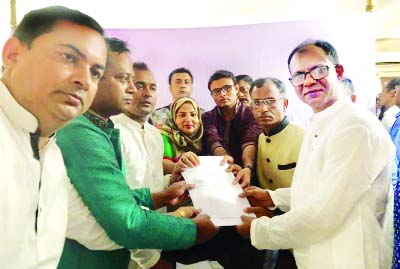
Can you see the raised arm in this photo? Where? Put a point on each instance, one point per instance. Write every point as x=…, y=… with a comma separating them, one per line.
x=352, y=164
x=98, y=178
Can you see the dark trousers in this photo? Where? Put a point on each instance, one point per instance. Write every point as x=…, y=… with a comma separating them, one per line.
x=227, y=247
x=285, y=260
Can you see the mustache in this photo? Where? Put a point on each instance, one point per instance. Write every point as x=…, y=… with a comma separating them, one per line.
x=261, y=114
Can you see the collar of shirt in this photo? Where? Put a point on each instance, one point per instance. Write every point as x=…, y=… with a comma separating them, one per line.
x=279, y=128
x=336, y=107
x=132, y=124
x=15, y=112
x=392, y=111
x=97, y=120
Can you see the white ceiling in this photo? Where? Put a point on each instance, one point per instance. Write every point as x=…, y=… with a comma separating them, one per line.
x=206, y=13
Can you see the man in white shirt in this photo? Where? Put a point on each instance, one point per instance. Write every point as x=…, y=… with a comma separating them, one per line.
x=180, y=85
x=142, y=145
x=388, y=100
x=52, y=65
x=142, y=148
x=342, y=177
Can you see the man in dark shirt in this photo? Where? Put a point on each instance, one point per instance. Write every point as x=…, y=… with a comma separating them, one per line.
x=230, y=128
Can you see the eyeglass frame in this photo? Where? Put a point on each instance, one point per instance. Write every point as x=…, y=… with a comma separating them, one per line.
x=223, y=88
x=310, y=72
x=266, y=102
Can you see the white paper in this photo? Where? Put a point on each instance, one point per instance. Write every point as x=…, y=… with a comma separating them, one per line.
x=198, y=265
x=214, y=192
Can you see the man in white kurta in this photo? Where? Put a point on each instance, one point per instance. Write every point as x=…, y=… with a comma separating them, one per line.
x=33, y=196
x=142, y=149
x=340, y=184
x=40, y=91
x=37, y=196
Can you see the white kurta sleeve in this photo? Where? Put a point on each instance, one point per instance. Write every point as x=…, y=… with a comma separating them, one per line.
x=281, y=198
x=144, y=258
x=353, y=158
x=387, y=221
x=83, y=227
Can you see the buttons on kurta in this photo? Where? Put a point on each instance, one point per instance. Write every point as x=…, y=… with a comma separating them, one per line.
x=270, y=181
x=316, y=135
x=268, y=160
x=268, y=140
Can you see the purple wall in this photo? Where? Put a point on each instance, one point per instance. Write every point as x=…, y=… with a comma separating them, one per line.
x=258, y=50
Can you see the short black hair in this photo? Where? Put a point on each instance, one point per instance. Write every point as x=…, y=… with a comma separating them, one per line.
x=179, y=70
x=221, y=74
x=246, y=78
x=329, y=50
x=141, y=66
x=40, y=21
x=393, y=83
x=262, y=81
x=117, y=45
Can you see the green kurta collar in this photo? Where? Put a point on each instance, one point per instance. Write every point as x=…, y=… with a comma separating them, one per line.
x=97, y=120
x=279, y=127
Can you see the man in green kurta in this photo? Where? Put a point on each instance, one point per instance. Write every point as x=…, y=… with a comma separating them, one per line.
x=92, y=154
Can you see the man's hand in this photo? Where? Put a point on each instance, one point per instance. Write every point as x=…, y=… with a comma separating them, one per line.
x=234, y=168
x=257, y=197
x=219, y=151
x=244, y=228
x=173, y=195
x=242, y=176
x=227, y=159
x=205, y=228
x=176, y=175
x=186, y=212
x=259, y=211
x=177, y=193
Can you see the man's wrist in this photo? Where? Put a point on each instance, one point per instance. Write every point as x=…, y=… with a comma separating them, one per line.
x=163, y=198
x=180, y=213
x=250, y=166
x=220, y=151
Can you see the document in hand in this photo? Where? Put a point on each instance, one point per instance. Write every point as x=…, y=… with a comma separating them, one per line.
x=214, y=193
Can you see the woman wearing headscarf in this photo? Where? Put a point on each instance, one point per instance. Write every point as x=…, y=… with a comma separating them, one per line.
x=182, y=138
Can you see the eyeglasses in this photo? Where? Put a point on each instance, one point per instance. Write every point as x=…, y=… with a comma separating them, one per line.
x=244, y=89
x=267, y=102
x=316, y=73
x=226, y=89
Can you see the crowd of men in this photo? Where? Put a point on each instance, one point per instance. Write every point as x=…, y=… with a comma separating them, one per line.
x=85, y=184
